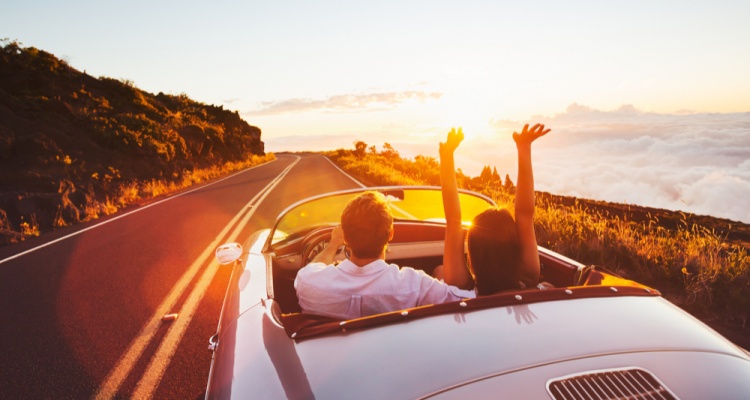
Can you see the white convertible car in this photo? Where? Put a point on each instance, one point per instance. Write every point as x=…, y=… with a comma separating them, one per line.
x=593, y=336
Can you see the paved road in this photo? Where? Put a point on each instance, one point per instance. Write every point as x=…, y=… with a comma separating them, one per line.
x=81, y=316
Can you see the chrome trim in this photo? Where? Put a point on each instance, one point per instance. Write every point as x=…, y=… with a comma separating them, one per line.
x=606, y=384
x=268, y=260
x=213, y=342
x=362, y=190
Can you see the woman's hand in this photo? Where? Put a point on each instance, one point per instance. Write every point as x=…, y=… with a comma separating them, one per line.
x=452, y=142
x=454, y=261
x=529, y=135
x=524, y=203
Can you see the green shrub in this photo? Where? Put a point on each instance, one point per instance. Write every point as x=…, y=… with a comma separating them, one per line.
x=692, y=265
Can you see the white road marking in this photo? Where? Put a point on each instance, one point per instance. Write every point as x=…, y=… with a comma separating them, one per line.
x=362, y=185
x=160, y=360
x=125, y=215
x=125, y=364
x=342, y=171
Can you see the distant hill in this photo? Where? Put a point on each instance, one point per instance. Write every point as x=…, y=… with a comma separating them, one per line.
x=68, y=140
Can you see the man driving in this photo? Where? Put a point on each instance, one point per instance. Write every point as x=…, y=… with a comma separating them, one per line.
x=365, y=284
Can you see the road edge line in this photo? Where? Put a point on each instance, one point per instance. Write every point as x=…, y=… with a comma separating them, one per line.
x=342, y=171
x=163, y=356
x=41, y=246
x=128, y=359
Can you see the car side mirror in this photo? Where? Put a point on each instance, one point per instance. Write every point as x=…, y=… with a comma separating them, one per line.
x=228, y=253
x=393, y=195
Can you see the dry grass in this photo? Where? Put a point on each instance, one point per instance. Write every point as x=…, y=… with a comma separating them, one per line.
x=695, y=267
x=133, y=192
x=30, y=227
x=128, y=193
x=388, y=169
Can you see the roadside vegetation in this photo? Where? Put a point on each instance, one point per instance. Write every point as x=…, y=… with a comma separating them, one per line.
x=134, y=192
x=74, y=147
x=121, y=195
x=700, y=263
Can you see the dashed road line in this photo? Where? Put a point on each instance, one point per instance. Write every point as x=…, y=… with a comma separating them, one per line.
x=135, y=350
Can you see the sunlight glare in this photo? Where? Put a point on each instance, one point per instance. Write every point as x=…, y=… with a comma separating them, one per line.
x=455, y=110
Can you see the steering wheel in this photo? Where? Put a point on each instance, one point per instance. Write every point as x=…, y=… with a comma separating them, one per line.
x=314, y=243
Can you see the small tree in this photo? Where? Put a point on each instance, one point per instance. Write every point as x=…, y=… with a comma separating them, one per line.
x=486, y=175
x=495, y=175
x=389, y=151
x=508, y=186
x=360, y=148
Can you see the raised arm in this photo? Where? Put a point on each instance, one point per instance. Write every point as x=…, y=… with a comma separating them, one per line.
x=529, y=255
x=454, y=262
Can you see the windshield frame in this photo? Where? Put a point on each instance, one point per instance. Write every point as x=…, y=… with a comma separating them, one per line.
x=392, y=192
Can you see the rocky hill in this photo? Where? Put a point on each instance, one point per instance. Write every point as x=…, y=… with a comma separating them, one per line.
x=68, y=139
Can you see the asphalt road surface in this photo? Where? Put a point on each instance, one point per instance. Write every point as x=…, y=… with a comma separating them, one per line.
x=81, y=308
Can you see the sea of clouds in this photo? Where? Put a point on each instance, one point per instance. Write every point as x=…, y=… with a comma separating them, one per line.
x=693, y=162
x=698, y=163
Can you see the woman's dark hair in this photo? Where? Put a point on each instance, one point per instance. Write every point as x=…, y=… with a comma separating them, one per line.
x=494, y=251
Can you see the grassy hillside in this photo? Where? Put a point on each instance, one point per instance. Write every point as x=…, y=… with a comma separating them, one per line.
x=73, y=147
x=700, y=263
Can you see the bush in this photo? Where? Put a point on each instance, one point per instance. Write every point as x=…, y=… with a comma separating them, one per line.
x=694, y=267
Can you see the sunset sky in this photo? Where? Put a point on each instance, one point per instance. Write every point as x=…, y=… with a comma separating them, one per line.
x=649, y=102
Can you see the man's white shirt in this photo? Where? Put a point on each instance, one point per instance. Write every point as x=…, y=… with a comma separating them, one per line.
x=346, y=291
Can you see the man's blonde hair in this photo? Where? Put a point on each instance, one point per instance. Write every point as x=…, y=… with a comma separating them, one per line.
x=367, y=222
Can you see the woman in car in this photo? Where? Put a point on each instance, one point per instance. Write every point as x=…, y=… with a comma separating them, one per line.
x=502, y=250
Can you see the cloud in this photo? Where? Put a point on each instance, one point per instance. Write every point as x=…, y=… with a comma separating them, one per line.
x=344, y=102
x=693, y=162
